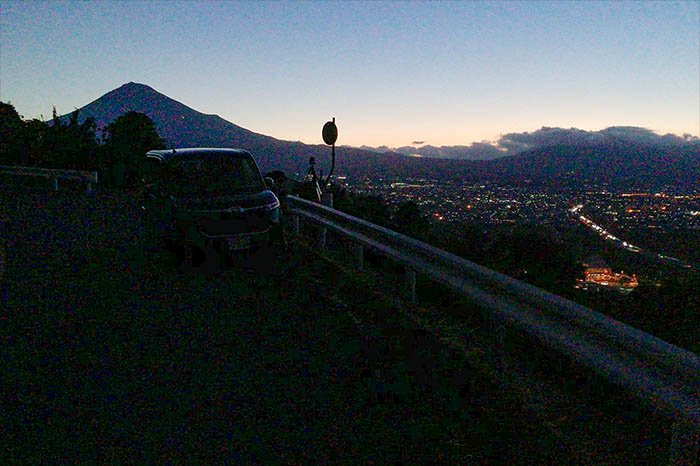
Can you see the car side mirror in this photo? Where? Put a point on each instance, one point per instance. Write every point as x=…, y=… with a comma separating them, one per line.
x=269, y=182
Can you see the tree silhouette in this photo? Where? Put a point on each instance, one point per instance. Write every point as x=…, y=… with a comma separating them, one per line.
x=368, y=207
x=534, y=254
x=127, y=140
x=69, y=144
x=36, y=131
x=13, y=145
x=409, y=220
x=78, y=148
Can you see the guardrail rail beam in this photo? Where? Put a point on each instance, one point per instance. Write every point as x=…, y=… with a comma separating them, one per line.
x=51, y=173
x=661, y=376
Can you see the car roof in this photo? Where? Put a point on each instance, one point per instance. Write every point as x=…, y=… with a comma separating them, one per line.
x=196, y=152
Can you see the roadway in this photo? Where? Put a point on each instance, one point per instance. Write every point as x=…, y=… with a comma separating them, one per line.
x=621, y=243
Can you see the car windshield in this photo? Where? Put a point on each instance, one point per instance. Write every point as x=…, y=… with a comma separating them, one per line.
x=216, y=174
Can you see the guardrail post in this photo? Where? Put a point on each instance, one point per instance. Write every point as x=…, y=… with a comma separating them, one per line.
x=411, y=285
x=685, y=443
x=322, y=239
x=55, y=184
x=497, y=330
x=360, y=256
x=296, y=225
x=327, y=200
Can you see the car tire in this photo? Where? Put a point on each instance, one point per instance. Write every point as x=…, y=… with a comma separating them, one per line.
x=262, y=258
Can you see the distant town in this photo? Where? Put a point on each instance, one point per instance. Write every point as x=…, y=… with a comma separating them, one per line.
x=495, y=204
x=618, y=217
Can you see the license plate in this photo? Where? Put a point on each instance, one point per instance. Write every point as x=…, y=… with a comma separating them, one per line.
x=237, y=243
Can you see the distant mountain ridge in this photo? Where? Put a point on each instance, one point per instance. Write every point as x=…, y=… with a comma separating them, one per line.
x=514, y=143
x=553, y=156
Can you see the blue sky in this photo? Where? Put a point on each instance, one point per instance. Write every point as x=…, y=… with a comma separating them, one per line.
x=446, y=73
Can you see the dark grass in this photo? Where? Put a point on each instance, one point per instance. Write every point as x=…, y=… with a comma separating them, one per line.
x=110, y=355
x=594, y=423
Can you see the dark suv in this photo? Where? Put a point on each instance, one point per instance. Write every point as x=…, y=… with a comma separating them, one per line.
x=208, y=202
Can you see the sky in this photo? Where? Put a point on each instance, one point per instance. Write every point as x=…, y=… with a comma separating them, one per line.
x=391, y=73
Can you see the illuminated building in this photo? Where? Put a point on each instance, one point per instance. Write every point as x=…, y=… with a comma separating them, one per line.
x=598, y=274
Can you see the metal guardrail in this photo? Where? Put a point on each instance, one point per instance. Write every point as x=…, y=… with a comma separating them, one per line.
x=662, y=376
x=55, y=174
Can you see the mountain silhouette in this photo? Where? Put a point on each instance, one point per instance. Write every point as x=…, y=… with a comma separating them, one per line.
x=624, y=156
x=182, y=126
x=637, y=164
x=177, y=123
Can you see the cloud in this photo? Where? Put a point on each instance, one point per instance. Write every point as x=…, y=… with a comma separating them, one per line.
x=513, y=143
x=545, y=136
x=475, y=151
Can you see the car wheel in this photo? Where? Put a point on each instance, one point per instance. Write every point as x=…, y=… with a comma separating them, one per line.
x=261, y=259
x=170, y=244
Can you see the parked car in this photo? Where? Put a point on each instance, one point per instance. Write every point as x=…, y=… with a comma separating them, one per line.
x=209, y=202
